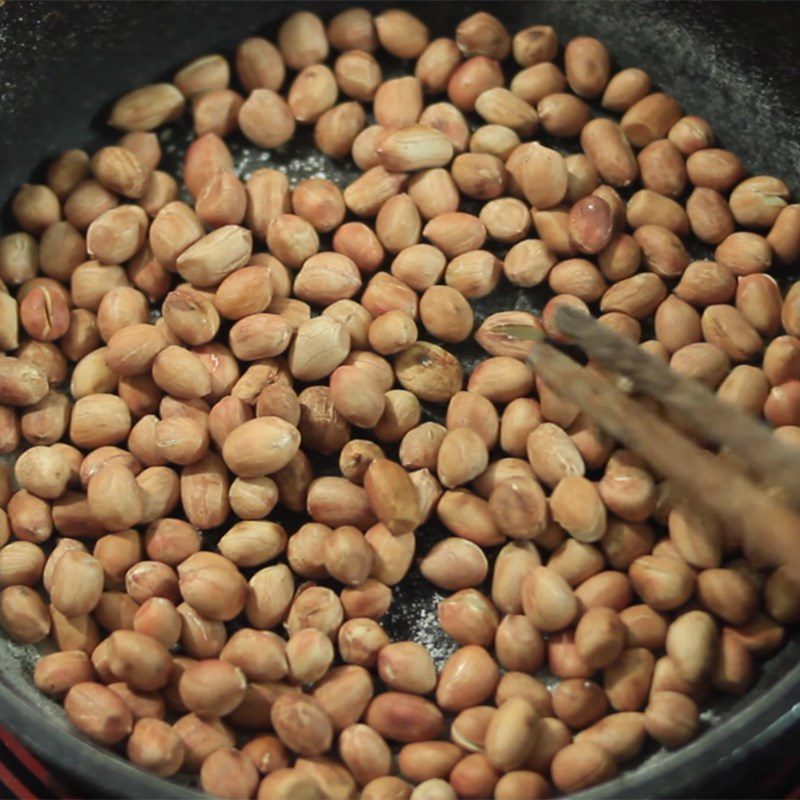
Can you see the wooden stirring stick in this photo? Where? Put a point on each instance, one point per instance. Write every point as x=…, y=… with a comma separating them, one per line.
x=776, y=464
x=770, y=531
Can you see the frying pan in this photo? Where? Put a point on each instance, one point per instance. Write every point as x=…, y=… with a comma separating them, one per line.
x=62, y=63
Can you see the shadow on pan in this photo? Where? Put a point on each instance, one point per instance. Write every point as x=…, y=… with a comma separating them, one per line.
x=61, y=64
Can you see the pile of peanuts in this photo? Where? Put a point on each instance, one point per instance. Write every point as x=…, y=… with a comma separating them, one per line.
x=201, y=636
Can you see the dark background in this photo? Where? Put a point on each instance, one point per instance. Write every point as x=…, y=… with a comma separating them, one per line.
x=61, y=63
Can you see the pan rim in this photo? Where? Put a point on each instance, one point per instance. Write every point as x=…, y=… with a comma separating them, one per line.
x=747, y=732
x=78, y=757
x=769, y=716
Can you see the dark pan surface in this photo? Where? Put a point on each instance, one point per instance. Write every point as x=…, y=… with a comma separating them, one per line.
x=61, y=64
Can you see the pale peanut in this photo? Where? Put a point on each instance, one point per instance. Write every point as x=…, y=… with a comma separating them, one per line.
x=547, y=600
x=98, y=712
